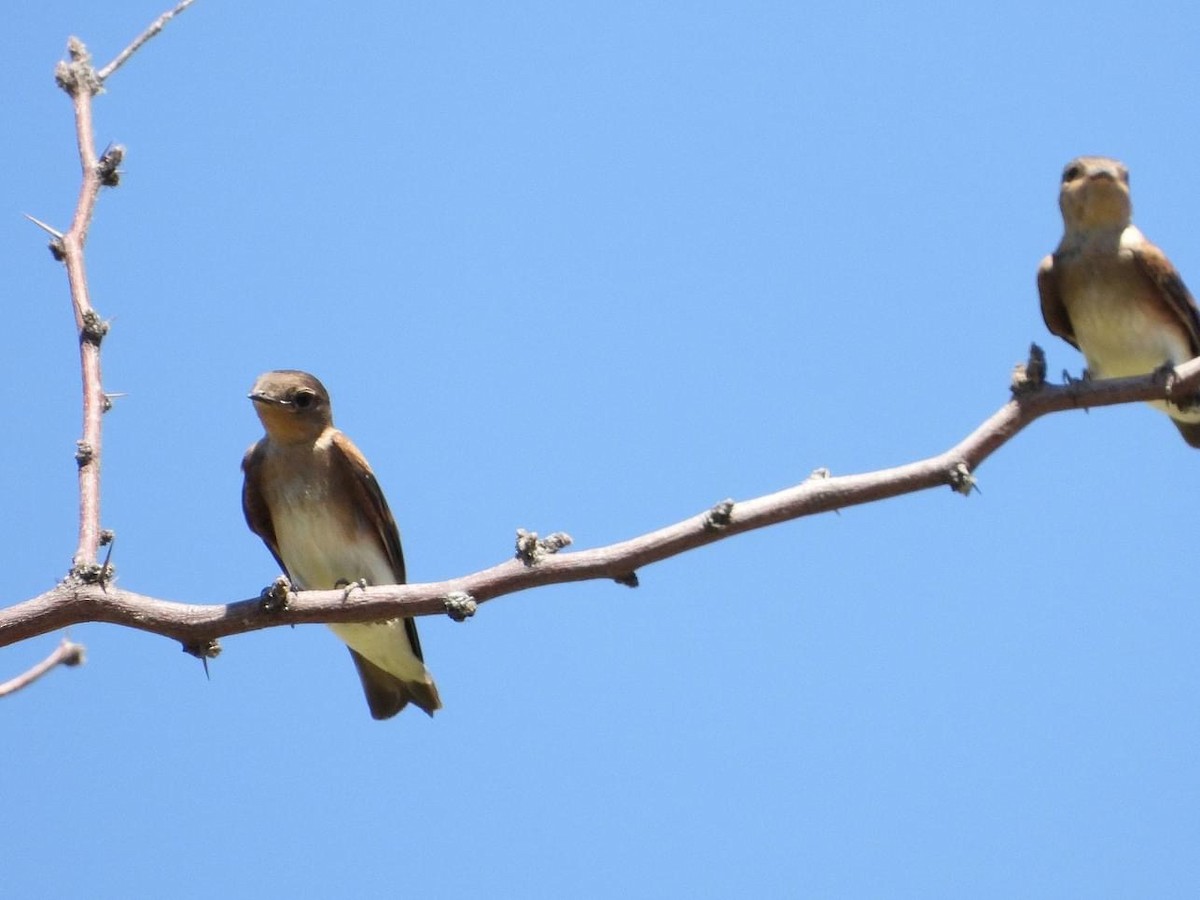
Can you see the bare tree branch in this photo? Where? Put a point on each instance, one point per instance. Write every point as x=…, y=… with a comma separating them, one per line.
x=87, y=596
x=67, y=653
x=77, y=76
x=155, y=27
x=198, y=626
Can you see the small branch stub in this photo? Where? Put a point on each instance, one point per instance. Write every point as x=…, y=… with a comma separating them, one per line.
x=94, y=573
x=274, y=597
x=962, y=481
x=630, y=580
x=460, y=606
x=204, y=650
x=719, y=516
x=107, y=166
x=531, y=549
x=1030, y=376
x=94, y=328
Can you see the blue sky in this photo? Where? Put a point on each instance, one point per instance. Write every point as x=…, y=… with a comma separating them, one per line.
x=593, y=267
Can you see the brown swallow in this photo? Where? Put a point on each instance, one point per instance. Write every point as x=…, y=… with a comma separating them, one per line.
x=1111, y=293
x=313, y=499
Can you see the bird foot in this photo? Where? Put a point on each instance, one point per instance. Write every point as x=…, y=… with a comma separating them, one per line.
x=350, y=586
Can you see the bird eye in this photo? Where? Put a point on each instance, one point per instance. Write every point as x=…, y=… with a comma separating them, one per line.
x=303, y=399
x=1071, y=172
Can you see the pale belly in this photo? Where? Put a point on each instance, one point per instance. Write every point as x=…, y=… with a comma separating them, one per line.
x=320, y=553
x=1120, y=339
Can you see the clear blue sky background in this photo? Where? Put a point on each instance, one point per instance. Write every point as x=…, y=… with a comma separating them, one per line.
x=593, y=267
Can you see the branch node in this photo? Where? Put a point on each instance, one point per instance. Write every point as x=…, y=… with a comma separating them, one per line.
x=106, y=166
x=460, y=605
x=531, y=549
x=719, y=517
x=818, y=474
x=94, y=573
x=962, y=481
x=1165, y=375
x=630, y=579
x=93, y=329
x=1030, y=376
x=526, y=546
x=106, y=537
x=84, y=453
x=78, y=74
x=274, y=597
x=205, y=650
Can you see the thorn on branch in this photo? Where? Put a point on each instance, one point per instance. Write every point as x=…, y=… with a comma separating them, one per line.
x=531, y=550
x=962, y=481
x=203, y=651
x=84, y=453
x=460, y=605
x=57, y=248
x=106, y=401
x=1030, y=376
x=819, y=474
x=630, y=580
x=93, y=329
x=274, y=597
x=719, y=516
x=106, y=166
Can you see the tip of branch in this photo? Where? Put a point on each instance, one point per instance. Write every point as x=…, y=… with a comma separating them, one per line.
x=72, y=654
x=77, y=75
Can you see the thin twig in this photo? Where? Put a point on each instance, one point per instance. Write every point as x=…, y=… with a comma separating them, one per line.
x=196, y=625
x=77, y=76
x=155, y=27
x=66, y=653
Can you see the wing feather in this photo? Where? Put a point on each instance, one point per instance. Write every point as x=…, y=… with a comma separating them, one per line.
x=1155, y=266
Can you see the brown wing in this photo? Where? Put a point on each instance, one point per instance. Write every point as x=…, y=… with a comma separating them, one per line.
x=254, y=506
x=1054, y=312
x=359, y=477
x=1155, y=265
